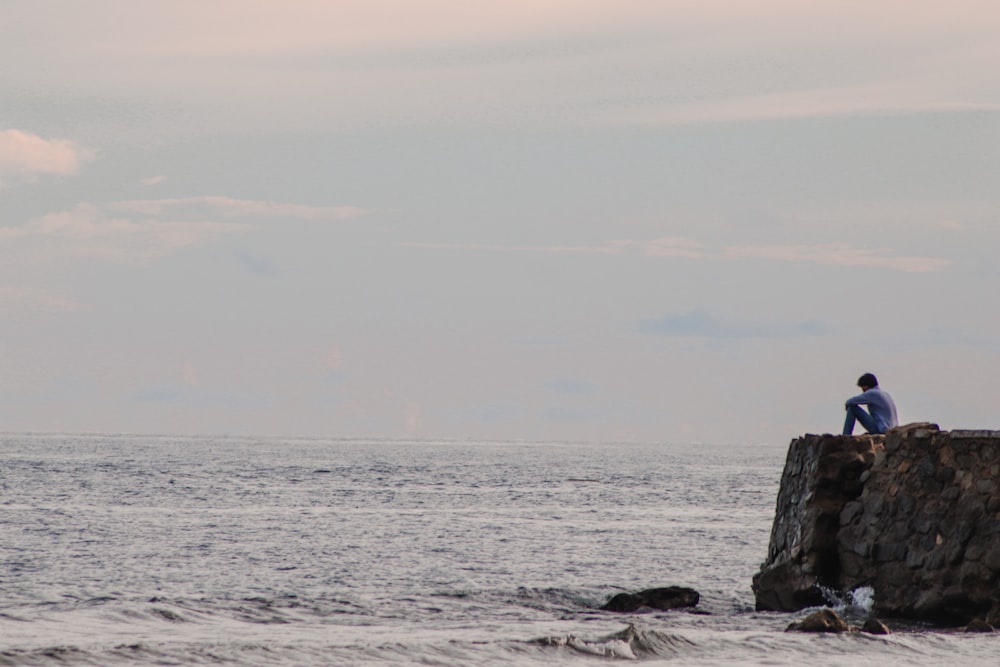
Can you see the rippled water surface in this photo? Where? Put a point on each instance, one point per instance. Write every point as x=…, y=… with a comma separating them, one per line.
x=175, y=551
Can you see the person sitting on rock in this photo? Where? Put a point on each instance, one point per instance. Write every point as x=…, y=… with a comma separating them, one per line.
x=881, y=413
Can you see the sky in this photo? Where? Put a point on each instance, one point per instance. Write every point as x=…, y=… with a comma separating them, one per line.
x=667, y=221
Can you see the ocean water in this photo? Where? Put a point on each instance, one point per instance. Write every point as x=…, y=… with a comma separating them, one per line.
x=140, y=550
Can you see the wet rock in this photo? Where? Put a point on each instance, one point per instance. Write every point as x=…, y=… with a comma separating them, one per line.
x=670, y=597
x=786, y=587
x=979, y=625
x=824, y=620
x=822, y=476
x=873, y=626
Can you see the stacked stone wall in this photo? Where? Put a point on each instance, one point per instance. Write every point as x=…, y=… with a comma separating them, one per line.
x=822, y=474
x=925, y=532
x=915, y=515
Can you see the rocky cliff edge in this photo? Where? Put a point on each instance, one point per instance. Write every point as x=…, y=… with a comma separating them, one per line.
x=914, y=514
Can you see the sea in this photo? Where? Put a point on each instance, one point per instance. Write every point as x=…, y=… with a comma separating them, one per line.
x=121, y=549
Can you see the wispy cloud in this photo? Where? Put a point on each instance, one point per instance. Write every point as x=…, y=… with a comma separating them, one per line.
x=25, y=156
x=830, y=254
x=673, y=247
x=89, y=231
x=229, y=207
x=139, y=230
x=700, y=324
x=660, y=247
x=889, y=98
x=557, y=61
x=610, y=248
x=837, y=254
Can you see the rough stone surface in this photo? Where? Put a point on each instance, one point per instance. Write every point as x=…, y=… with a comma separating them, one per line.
x=979, y=625
x=873, y=626
x=669, y=597
x=920, y=524
x=824, y=620
x=822, y=475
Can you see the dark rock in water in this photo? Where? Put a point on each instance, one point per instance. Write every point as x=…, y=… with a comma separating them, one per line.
x=670, y=597
x=979, y=625
x=824, y=620
x=623, y=602
x=914, y=514
x=873, y=626
x=785, y=587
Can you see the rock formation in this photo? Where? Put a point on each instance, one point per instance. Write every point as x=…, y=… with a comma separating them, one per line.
x=669, y=597
x=824, y=620
x=822, y=474
x=827, y=620
x=914, y=514
x=873, y=626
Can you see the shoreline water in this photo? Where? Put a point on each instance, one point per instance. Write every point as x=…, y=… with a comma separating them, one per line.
x=163, y=550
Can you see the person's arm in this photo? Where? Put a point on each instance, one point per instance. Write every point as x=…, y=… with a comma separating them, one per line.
x=860, y=399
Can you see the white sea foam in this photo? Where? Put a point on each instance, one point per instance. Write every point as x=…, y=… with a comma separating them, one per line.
x=863, y=598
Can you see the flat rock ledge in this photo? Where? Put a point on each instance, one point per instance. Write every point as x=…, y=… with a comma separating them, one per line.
x=669, y=597
x=913, y=514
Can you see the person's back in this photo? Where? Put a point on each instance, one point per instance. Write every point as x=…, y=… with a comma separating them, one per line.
x=881, y=414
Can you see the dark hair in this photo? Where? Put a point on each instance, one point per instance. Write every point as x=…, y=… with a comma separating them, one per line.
x=867, y=380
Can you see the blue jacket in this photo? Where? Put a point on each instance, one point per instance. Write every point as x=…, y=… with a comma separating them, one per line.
x=880, y=406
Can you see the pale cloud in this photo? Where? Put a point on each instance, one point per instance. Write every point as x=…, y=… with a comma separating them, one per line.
x=260, y=26
x=242, y=27
x=153, y=180
x=89, y=231
x=25, y=156
x=674, y=247
x=228, y=207
x=830, y=254
x=902, y=217
x=883, y=98
x=361, y=63
x=837, y=254
x=610, y=248
x=139, y=230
